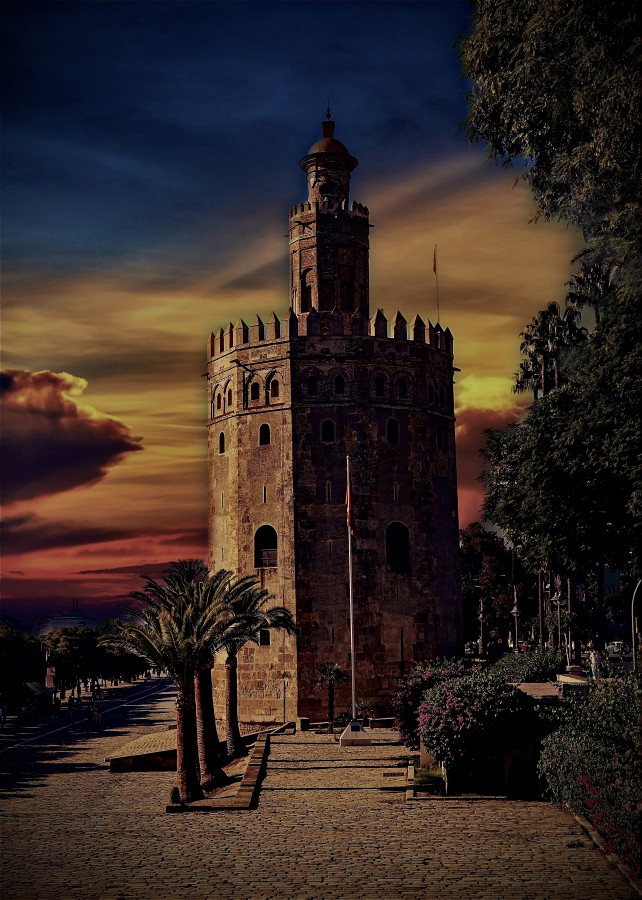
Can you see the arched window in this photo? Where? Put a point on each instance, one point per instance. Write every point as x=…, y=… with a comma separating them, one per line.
x=398, y=547
x=264, y=435
x=274, y=388
x=392, y=431
x=229, y=397
x=339, y=385
x=255, y=391
x=380, y=386
x=327, y=431
x=265, y=548
x=313, y=386
x=219, y=401
x=402, y=387
x=221, y=442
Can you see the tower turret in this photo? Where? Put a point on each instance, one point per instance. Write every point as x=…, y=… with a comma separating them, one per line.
x=329, y=238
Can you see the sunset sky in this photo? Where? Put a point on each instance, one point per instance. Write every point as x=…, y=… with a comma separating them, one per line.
x=150, y=158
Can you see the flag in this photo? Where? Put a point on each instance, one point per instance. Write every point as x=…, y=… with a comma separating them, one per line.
x=349, y=510
x=434, y=260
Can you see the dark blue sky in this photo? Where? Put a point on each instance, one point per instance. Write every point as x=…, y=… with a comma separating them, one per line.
x=130, y=127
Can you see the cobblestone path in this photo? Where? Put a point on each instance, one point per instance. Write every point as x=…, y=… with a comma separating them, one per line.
x=325, y=828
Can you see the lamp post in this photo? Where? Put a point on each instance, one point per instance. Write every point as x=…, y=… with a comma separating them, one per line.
x=634, y=634
x=515, y=612
x=557, y=600
x=481, y=626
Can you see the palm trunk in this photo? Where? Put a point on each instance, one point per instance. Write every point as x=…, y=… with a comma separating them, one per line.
x=187, y=779
x=209, y=755
x=235, y=746
x=331, y=707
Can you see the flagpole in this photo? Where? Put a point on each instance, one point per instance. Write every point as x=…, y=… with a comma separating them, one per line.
x=352, y=659
x=434, y=268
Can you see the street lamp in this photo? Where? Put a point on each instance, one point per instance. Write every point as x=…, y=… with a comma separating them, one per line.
x=515, y=612
x=481, y=626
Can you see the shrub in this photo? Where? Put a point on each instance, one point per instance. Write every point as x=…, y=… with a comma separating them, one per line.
x=592, y=763
x=521, y=667
x=411, y=692
x=464, y=720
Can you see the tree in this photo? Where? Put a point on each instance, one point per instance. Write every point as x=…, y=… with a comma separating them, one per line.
x=555, y=88
x=176, y=627
x=250, y=615
x=21, y=660
x=329, y=674
x=546, y=341
x=487, y=581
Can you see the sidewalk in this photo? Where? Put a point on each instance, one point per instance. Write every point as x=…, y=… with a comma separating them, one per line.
x=325, y=829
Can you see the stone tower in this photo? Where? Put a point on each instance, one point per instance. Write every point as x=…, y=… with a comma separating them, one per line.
x=289, y=399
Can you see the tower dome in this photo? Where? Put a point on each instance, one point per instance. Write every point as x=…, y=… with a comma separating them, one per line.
x=327, y=166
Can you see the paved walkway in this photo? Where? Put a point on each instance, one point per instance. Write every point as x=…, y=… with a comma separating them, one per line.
x=324, y=828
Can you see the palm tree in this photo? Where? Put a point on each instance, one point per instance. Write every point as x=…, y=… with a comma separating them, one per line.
x=329, y=674
x=178, y=625
x=251, y=615
x=544, y=341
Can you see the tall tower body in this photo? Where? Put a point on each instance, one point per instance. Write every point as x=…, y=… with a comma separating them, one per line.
x=289, y=400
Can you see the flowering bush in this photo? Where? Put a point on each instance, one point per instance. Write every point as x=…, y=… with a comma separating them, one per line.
x=592, y=762
x=464, y=720
x=521, y=667
x=411, y=692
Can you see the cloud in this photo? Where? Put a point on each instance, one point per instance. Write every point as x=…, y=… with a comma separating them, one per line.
x=472, y=421
x=52, y=442
x=30, y=534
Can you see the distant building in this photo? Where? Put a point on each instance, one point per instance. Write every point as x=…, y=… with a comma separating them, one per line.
x=71, y=619
x=289, y=400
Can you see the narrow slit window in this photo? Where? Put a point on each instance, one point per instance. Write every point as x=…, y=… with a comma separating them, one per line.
x=221, y=442
x=219, y=401
x=329, y=548
x=264, y=435
x=395, y=492
x=328, y=491
x=229, y=397
x=265, y=493
x=222, y=499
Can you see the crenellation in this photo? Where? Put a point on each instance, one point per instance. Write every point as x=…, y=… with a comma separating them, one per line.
x=379, y=325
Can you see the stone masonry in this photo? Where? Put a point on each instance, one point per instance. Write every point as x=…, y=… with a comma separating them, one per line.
x=290, y=399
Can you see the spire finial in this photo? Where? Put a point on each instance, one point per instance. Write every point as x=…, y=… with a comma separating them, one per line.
x=328, y=114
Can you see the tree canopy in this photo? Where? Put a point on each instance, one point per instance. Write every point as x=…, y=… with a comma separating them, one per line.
x=555, y=88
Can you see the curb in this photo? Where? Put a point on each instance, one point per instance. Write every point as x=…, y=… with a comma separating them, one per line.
x=247, y=794
x=598, y=840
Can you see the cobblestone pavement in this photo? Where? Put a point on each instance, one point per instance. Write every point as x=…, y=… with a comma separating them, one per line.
x=324, y=828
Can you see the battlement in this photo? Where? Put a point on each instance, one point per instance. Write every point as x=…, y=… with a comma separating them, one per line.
x=330, y=324
x=327, y=206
